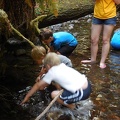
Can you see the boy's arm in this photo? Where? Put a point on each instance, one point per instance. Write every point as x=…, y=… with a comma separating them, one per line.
x=30, y=93
x=37, y=86
x=42, y=71
x=117, y=2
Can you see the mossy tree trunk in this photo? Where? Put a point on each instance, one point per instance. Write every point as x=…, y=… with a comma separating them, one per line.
x=19, y=14
x=18, y=11
x=66, y=15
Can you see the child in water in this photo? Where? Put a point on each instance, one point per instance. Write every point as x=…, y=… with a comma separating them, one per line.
x=39, y=52
x=75, y=85
x=60, y=42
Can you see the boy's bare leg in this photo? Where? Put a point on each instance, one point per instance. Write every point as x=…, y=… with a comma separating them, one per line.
x=53, y=95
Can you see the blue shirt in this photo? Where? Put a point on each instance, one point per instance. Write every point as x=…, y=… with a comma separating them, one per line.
x=63, y=38
x=115, y=41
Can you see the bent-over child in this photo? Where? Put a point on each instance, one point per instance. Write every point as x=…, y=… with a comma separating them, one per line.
x=75, y=85
x=61, y=42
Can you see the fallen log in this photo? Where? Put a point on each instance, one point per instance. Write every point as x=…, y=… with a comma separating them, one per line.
x=66, y=15
x=69, y=14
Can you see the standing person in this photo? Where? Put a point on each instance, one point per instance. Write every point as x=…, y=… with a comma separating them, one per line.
x=75, y=85
x=103, y=21
x=61, y=42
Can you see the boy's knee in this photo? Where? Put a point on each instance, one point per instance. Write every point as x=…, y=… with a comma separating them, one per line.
x=53, y=94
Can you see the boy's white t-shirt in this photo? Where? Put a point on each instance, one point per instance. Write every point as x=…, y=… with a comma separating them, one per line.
x=67, y=77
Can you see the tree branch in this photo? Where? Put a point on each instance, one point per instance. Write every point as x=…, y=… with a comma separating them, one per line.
x=51, y=103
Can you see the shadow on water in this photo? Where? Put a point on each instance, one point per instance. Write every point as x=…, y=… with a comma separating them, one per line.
x=104, y=102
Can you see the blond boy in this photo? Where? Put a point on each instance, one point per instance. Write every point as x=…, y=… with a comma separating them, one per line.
x=75, y=85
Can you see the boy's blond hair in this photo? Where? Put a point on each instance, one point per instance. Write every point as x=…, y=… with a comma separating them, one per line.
x=51, y=59
x=38, y=52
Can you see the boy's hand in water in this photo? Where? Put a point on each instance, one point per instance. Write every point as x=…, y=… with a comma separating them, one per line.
x=34, y=89
x=24, y=101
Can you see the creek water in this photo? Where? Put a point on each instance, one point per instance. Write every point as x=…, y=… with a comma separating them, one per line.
x=104, y=102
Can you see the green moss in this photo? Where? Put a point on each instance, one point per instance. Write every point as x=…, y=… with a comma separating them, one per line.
x=66, y=4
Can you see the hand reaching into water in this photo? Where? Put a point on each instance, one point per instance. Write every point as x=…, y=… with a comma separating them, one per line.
x=24, y=100
x=30, y=93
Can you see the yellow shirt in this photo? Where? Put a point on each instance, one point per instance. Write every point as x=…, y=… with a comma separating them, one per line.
x=104, y=9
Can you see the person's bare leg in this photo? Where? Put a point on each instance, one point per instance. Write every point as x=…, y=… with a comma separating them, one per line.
x=95, y=34
x=107, y=31
x=54, y=94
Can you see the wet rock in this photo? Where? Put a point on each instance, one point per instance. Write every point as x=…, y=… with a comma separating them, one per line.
x=14, y=45
x=54, y=115
x=59, y=114
x=96, y=118
x=89, y=20
x=20, y=52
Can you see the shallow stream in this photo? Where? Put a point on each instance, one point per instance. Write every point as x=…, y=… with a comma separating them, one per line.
x=104, y=102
